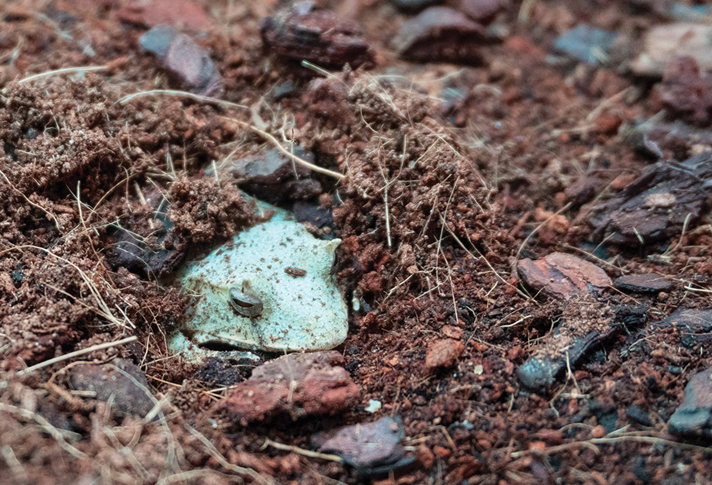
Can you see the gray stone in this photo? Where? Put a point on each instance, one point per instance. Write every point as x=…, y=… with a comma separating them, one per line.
x=693, y=417
x=586, y=44
x=643, y=283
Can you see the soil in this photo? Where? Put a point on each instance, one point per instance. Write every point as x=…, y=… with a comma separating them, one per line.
x=452, y=174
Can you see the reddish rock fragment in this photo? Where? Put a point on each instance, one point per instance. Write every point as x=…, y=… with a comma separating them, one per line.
x=443, y=353
x=365, y=445
x=562, y=276
x=686, y=92
x=106, y=381
x=296, y=385
x=441, y=34
x=305, y=32
x=643, y=283
x=178, y=13
x=185, y=59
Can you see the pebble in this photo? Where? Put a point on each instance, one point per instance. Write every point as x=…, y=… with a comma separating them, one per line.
x=425, y=456
x=414, y=5
x=443, y=353
x=643, y=283
x=106, y=381
x=365, y=445
x=685, y=91
x=693, y=326
x=177, y=13
x=586, y=44
x=306, y=32
x=182, y=57
x=275, y=178
x=655, y=206
x=693, y=418
x=440, y=34
x=482, y=11
x=638, y=415
x=295, y=385
x=562, y=276
x=663, y=43
x=598, y=431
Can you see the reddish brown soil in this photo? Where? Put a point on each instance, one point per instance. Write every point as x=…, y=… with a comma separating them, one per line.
x=439, y=202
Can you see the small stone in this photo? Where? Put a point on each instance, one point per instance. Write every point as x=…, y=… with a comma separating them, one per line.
x=443, y=353
x=586, y=44
x=598, y=431
x=694, y=327
x=482, y=11
x=440, y=34
x=452, y=332
x=106, y=381
x=643, y=283
x=694, y=416
x=373, y=406
x=562, y=276
x=638, y=415
x=413, y=6
x=184, y=59
x=425, y=456
x=296, y=385
x=663, y=43
x=441, y=451
x=177, y=13
x=306, y=32
x=685, y=91
x=365, y=445
x=275, y=178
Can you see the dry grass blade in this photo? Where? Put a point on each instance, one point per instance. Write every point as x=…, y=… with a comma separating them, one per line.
x=77, y=353
x=46, y=426
x=227, y=465
x=278, y=145
x=180, y=94
x=301, y=451
x=66, y=70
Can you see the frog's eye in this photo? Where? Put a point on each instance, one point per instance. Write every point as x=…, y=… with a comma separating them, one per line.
x=244, y=304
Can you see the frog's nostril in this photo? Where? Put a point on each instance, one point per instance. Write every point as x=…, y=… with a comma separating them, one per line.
x=244, y=304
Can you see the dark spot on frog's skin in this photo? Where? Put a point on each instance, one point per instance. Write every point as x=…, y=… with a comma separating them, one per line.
x=244, y=304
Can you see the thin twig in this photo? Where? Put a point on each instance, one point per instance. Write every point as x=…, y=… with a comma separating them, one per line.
x=77, y=353
x=66, y=70
x=301, y=451
x=46, y=426
x=278, y=145
x=181, y=94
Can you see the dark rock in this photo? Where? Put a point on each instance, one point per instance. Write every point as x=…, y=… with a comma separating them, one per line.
x=694, y=416
x=441, y=34
x=638, y=415
x=106, y=381
x=643, y=283
x=482, y=11
x=413, y=6
x=583, y=190
x=586, y=44
x=365, y=445
x=685, y=92
x=584, y=324
x=275, y=178
x=218, y=372
x=296, y=385
x=285, y=90
x=176, y=13
x=306, y=32
x=677, y=137
x=184, y=59
x=156, y=255
x=318, y=216
x=693, y=326
x=562, y=276
x=654, y=206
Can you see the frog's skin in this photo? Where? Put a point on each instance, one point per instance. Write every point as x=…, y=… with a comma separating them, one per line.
x=298, y=313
